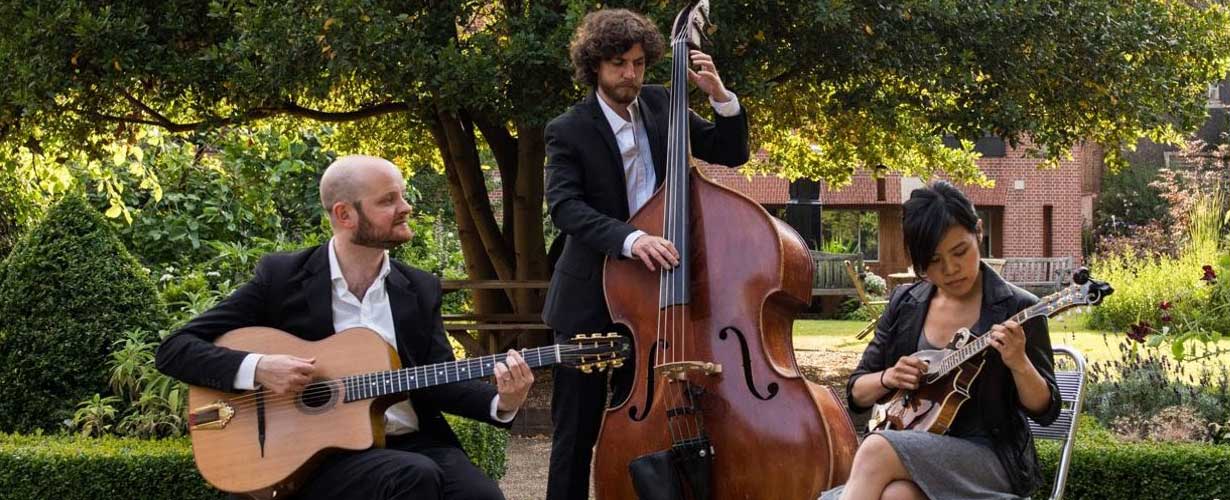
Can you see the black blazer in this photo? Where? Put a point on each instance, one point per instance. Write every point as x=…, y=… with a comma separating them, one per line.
x=293, y=293
x=587, y=195
x=994, y=394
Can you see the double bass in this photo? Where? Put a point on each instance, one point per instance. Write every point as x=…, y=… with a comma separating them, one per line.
x=718, y=407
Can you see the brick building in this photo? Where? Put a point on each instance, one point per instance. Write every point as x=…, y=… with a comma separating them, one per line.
x=1028, y=213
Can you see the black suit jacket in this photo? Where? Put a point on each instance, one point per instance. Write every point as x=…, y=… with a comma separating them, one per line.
x=995, y=398
x=587, y=195
x=293, y=293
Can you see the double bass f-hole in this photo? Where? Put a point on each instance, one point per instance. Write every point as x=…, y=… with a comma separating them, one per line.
x=649, y=383
x=747, y=365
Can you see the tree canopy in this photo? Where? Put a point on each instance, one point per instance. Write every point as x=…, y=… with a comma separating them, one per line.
x=831, y=86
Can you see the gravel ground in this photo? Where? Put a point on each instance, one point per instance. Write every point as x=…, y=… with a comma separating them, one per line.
x=526, y=478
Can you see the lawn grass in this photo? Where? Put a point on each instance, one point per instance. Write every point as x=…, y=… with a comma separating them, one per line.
x=1070, y=330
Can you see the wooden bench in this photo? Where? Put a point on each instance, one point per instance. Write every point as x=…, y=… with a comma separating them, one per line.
x=831, y=277
x=1045, y=274
x=495, y=332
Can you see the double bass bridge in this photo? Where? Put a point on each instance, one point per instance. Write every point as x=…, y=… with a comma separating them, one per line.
x=679, y=371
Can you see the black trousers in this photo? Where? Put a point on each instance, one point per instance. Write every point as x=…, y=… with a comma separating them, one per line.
x=411, y=467
x=578, y=402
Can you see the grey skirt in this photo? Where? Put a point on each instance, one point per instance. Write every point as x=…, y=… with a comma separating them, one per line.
x=946, y=467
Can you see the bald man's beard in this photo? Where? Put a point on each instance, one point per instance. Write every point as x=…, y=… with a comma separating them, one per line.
x=369, y=236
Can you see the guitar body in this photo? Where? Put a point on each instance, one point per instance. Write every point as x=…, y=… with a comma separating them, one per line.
x=933, y=406
x=297, y=432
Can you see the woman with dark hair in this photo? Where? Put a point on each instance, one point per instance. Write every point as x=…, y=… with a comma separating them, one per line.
x=988, y=451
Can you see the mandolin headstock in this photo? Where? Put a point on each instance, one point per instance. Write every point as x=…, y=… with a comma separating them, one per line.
x=1084, y=291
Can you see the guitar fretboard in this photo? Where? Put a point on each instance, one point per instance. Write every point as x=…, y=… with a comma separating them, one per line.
x=377, y=384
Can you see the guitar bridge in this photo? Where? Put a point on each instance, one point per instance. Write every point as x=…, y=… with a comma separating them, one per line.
x=213, y=416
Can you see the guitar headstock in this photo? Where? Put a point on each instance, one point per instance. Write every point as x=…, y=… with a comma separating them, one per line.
x=1084, y=291
x=598, y=351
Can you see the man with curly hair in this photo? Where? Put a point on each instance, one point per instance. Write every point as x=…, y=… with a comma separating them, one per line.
x=605, y=157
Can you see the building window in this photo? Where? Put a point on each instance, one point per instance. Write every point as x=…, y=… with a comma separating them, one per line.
x=1048, y=229
x=988, y=146
x=851, y=231
x=986, y=246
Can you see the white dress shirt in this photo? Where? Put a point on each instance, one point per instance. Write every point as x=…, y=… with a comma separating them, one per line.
x=374, y=313
x=633, y=142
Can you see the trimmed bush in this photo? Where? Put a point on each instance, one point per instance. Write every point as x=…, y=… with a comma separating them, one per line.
x=67, y=292
x=486, y=445
x=74, y=467
x=71, y=468
x=1105, y=468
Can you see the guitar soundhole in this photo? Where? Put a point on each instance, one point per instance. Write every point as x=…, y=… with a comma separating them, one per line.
x=318, y=397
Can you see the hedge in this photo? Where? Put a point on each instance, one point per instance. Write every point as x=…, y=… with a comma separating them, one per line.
x=68, y=291
x=71, y=468
x=1104, y=468
x=79, y=468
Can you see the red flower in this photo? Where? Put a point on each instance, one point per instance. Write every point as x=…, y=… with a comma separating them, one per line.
x=1164, y=305
x=1209, y=274
x=1139, y=331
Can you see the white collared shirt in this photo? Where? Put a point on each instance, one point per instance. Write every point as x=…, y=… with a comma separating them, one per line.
x=633, y=142
x=375, y=313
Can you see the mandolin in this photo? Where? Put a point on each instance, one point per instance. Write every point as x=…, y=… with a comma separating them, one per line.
x=261, y=445
x=952, y=371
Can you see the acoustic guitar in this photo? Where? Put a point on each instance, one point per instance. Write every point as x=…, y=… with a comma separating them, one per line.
x=262, y=445
x=952, y=371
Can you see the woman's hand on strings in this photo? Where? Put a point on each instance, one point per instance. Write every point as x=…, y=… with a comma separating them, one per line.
x=906, y=374
x=1009, y=339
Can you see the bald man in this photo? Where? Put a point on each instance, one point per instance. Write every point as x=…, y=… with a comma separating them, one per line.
x=351, y=282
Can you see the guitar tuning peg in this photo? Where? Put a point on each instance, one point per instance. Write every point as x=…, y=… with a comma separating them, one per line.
x=617, y=363
x=586, y=368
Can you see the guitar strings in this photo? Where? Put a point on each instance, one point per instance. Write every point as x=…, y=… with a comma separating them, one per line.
x=323, y=387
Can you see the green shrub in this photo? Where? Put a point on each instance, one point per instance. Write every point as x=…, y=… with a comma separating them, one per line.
x=71, y=468
x=485, y=444
x=1105, y=468
x=1140, y=470
x=74, y=467
x=67, y=291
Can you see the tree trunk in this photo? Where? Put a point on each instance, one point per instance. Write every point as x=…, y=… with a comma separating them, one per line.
x=478, y=261
x=518, y=252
